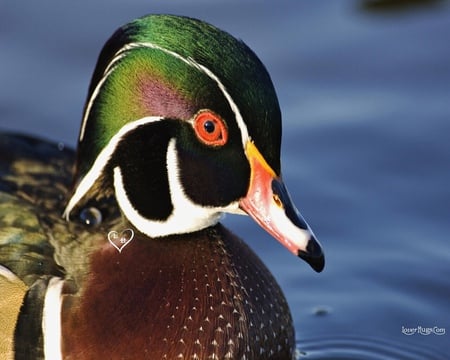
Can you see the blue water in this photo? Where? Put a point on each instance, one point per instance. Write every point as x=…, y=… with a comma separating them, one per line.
x=365, y=95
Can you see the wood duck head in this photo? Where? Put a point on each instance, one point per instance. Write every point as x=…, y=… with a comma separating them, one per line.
x=181, y=125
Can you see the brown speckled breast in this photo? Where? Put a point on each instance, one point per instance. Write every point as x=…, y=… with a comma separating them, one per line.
x=204, y=295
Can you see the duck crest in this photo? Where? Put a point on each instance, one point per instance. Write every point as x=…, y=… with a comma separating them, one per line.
x=172, y=67
x=181, y=125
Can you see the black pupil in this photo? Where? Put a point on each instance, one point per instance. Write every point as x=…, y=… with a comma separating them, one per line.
x=209, y=126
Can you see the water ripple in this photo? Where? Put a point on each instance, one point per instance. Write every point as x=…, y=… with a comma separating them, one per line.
x=350, y=347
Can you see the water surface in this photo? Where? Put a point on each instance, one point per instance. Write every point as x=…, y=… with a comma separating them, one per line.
x=366, y=153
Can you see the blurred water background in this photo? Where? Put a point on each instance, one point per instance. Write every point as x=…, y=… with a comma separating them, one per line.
x=364, y=88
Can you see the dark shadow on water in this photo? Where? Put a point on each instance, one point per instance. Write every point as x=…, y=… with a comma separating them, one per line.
x=397, y=6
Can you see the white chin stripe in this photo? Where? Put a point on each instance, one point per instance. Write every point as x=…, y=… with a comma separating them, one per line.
x=186, y=215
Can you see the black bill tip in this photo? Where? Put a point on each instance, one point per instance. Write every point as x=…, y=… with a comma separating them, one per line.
x=313, y=255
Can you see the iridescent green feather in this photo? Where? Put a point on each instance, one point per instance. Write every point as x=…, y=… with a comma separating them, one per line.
x=126, y=94
x=35, y=240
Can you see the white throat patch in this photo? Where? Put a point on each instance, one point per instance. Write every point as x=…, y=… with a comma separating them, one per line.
x=186, y=215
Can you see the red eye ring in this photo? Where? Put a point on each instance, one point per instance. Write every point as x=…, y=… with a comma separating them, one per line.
x=210, y=128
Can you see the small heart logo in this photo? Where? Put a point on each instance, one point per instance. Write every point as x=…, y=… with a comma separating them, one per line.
x=119, y=241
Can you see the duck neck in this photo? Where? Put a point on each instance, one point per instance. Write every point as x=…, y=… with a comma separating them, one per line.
x=198, y=294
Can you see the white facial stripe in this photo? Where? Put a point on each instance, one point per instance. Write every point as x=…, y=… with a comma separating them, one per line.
x=191, y=62
x=186, y=216
x=101, y=161
x=234, y=108
x=108, y=70
x=51, y=319
x=204, y=69
x=91, y=101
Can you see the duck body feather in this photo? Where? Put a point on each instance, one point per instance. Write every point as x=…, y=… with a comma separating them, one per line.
x=198, y=295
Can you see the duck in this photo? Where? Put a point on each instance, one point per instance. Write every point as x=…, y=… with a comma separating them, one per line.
x=117, y=250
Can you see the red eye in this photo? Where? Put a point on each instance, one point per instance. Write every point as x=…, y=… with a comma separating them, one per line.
x=210, y=129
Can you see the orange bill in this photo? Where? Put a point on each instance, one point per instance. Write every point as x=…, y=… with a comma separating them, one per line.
x=269, y=204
